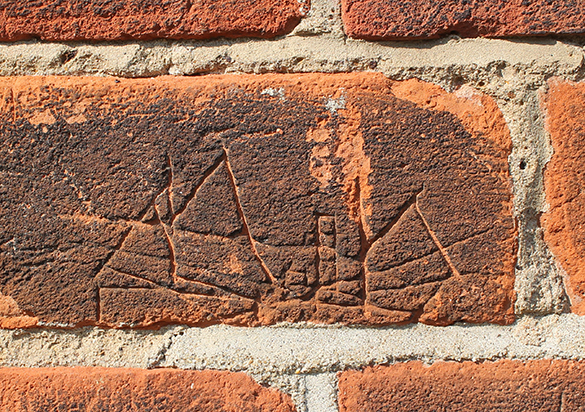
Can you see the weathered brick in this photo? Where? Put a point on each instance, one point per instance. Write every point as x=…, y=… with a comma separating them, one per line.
x=419, y=19
x=252, y=200
x=508, y=385
x=564, y=184
x=65, y=20
x=127, y=390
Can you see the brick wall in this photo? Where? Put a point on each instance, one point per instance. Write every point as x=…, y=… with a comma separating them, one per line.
x=292, y=206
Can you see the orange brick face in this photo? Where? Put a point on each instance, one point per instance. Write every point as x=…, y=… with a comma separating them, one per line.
x=252, y=200
x=146, y=19
x=129, y=390
x=419, y=19
x=564, y=183
x=539, y=385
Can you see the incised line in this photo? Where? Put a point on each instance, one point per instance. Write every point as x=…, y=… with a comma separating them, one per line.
x=436, y=240
x=411, y=201
x=156, y=285
x=194, y=191
x=406, y=262
x=168, y=187
x=364, y=245
x=166, y=230
x=8, y=242
x=191, y=196
x=411, y=260
x=319, y=286
x=204, y=283
x=103, y=263
x=367, y=244
x=481, y=232
x=245, y=221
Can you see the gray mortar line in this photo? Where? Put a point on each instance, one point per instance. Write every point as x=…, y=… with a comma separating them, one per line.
x=441, y=59
x=538, y=279
x=310, y=393
x=300, y=359
x=160, y=357
x=321, y=392
x=293, y=349
x=317, y=44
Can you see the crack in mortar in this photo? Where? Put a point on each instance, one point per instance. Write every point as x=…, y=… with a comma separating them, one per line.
x=159, y=358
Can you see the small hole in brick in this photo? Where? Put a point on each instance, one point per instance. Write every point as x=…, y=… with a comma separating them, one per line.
x=522, y=165
x=67, y=56
x=458, y=81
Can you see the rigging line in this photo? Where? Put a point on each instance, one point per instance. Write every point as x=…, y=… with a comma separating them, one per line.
x=245, y=221
x=436, y=240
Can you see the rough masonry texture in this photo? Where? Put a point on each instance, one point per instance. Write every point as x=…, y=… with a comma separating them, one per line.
x=200, y=221
x=418, y=19
x=565, y=107
x=508, y=385
x=252, y=200
x=66, y=20
x=129, y=390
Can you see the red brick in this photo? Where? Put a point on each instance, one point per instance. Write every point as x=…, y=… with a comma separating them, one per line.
x=565, y=185
x=426, y=19
x=508, y=385
x=252, y=200
x=126, y=390
x=65, y=20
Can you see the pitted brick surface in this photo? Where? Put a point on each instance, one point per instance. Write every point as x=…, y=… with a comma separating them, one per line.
x=419, y=19
x=564, y=183
x=252, y=200
x=66, y=20
x=508, y=385
x=128, y=390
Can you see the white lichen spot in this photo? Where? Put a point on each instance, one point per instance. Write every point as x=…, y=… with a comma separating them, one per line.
x=274, y=92
x=333, y=105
